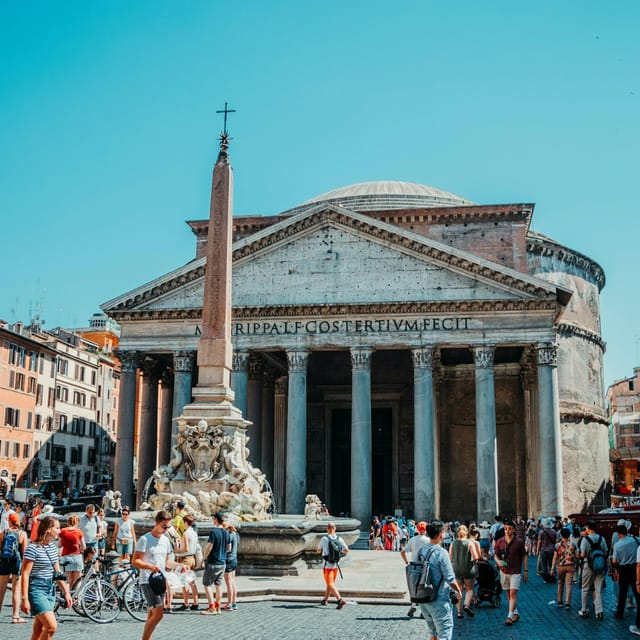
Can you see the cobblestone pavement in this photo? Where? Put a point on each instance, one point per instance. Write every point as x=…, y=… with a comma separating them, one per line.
x=307, y=620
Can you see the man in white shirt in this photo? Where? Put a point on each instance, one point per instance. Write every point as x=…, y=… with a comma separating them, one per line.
x=412, y=547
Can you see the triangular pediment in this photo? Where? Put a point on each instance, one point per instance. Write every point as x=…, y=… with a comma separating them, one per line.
x=331, y=256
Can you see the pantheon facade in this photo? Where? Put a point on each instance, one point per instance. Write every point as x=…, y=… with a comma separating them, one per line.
x=395, y=346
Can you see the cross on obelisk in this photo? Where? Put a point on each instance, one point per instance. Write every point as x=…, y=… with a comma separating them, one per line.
x=225, y=111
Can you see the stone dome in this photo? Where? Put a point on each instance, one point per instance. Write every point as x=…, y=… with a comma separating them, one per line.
x=384, y=195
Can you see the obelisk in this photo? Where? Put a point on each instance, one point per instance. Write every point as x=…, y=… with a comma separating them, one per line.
x=213, y=396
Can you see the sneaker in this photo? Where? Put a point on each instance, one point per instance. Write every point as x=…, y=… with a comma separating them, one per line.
x=411, y=611
x=600, y=616
x=234, y=606
x=227, y=607
x=341, y=603
x=560, y=604
x=567, y=606
x=210, y=611
x=583, y=614
x=194, y=607
x=508, y=621
x=633, y=629
x=323, y=603
x=468, y=611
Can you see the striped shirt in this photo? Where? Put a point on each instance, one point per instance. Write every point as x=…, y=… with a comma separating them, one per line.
x=43, y=558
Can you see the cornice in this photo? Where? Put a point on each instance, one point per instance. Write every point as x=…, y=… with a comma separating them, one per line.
x=541, y=245
x=158, y=290
x=328, y=310
x=570, y=331
x=522, y=212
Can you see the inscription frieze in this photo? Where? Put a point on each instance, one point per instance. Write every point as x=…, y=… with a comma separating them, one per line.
x=344, y=326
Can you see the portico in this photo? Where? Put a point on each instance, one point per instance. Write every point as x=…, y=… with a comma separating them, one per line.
x=380, y=368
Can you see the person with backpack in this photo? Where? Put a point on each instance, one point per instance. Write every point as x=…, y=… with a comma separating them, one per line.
x=13, y=542
x=565, y=561
x=593, y=552
x=438, y=613
x=412, y=547
x=332, y=547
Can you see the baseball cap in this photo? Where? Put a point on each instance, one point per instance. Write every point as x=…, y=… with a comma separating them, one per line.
x=421, y=526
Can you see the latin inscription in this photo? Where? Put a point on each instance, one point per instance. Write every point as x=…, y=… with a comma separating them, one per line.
x=385, y=325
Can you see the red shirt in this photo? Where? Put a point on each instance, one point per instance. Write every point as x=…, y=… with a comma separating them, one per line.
x=510, y=552
x=70, y=540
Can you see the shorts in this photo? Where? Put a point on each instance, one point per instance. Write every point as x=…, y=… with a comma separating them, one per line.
x=124, y=548
x=330, y=576
x=213, y=574
x=10, y=566
x=231, y=565
x=42, y=595
x=153, y=599
x=102, y=544
x=510, y=581
x=72, y=562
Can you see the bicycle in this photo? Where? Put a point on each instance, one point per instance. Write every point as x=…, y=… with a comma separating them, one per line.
x=102, y=600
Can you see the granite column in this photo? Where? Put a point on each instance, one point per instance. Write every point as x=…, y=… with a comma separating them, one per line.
x=551, y=489
x=123, y=464
x=424, y=468
x=361, y=485
x=486, y=444
x=296, y=476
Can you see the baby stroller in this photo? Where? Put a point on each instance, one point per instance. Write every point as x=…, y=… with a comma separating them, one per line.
x=488, y=588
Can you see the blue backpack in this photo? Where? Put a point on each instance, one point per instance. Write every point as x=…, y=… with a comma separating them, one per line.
x=596, y=558
x=10, y=547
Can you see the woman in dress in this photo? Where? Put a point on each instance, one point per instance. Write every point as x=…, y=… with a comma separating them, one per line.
x=38, y=587
x=231, y=566
x=463, y=553
x=12, y=567
x=124, y=536
x=186, y=553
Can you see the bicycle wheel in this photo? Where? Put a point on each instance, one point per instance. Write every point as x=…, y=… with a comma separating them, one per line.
x=134, y=601
x=99, y=601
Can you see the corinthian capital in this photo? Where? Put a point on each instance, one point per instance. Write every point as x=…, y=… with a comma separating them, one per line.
x=297, y=360
x=240, y=361
x=547, y=354
x=128, y=360
x=483, y=357
x=422, y=357
x=183, y=361
x=255, y=368
x=361, y=357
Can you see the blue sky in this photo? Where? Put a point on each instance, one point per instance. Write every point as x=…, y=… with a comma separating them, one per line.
x=108, y=128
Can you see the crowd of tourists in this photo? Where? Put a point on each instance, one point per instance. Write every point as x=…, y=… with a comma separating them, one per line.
x=477, y=561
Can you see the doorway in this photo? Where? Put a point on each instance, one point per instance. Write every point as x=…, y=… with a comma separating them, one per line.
x=381, y=463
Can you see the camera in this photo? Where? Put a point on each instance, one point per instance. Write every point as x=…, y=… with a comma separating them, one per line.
x=453, y=596
x=59, y=575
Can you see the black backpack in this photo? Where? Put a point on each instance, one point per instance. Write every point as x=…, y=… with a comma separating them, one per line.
x=335, y=550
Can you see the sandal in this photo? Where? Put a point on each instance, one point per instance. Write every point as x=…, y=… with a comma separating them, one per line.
x=460, y=615
x=18, y=620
